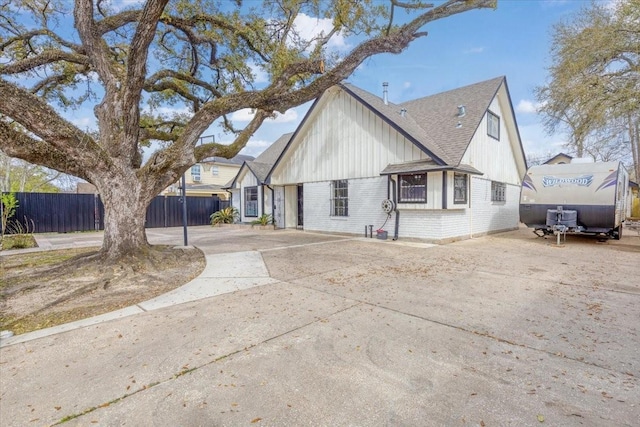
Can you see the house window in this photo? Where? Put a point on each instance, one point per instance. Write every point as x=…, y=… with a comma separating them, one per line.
x=413, y=188
x=215, y=170
x=493, y=125
x=251, y=201
x=460, y=188
x=340, y=198
x=498, y=191
x=195, y=173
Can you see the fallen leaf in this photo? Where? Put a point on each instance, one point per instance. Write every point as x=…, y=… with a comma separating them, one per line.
x=255, y=420
x=541, y=418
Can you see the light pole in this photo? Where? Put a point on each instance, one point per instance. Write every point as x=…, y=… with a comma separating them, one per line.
x=184, y=208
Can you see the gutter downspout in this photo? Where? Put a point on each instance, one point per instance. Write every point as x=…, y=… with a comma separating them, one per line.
x=395, y=201
x=230, y=197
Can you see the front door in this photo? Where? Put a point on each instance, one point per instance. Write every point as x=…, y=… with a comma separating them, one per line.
x=278, y=207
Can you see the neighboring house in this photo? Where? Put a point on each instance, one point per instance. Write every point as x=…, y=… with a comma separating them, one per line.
x=250, y=194
x=559, y=159
x=445, y=167
x=208, y=177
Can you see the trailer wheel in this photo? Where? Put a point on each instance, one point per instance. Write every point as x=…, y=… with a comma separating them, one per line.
x=617, y=232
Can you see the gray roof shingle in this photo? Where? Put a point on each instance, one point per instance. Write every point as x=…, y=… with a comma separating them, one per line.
x=262, y=165
x=432, y=122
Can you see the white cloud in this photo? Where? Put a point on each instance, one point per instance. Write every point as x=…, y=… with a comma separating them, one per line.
x=309, y=28
x=406, y=85
x=245, y=115
x=255, y=147
x=527, y=107
x=261, y=76
x=84, y=123
x=288, y=116
x=538, y=144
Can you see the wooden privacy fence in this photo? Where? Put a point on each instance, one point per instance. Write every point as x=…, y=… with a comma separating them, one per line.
x=63, y=213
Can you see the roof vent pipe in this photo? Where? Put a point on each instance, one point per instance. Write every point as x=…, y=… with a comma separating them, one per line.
x=403, y=112
x=385, y=93
x=462, y=111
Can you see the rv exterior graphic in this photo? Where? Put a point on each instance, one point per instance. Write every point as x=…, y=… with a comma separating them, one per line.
x=575, y=198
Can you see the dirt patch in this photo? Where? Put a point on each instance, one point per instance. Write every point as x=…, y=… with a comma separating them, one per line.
x=44, y=289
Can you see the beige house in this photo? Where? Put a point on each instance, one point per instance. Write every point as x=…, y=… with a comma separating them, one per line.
x=559, y=159
x=208, y=177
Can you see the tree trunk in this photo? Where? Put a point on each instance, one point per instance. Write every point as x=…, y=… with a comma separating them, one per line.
x=124, y=219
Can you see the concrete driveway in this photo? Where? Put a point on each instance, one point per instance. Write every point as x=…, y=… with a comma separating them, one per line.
x=501, y=330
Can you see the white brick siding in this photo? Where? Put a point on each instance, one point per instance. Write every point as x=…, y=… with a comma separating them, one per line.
x=493, y=216
x=365, y=207
x=366, y=195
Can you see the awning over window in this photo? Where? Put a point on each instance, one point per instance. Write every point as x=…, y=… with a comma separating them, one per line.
x=422, y=166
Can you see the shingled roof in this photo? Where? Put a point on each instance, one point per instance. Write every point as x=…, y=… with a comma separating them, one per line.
x=262, y=165
x=432, y=122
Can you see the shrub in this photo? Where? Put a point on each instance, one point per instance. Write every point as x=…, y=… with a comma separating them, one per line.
x=225, y=216
x=9, y=205
x=264, y=219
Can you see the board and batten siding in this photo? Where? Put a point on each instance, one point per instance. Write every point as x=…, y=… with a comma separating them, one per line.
x=249, y=180
x=342, y=139
x=495, y=158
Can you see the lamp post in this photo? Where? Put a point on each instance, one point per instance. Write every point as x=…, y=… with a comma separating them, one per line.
x=184, y=208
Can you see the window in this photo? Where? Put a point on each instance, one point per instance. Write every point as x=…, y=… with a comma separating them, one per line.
x=195, y=173
x=413, y=188
x=498, y=191
x=340, y=198
x=215, y=170
x=493, y=125
x=251, y=201
x=459, y=189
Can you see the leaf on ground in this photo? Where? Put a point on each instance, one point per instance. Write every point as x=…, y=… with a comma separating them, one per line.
x=255, y=420
x=541, y=418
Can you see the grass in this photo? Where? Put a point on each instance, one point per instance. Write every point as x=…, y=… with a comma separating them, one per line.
x=18, y=241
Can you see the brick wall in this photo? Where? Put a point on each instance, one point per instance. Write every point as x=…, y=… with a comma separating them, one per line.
x=365, y=207
x=366, y=195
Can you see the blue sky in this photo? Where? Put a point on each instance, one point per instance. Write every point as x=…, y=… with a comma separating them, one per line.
x=512, y=40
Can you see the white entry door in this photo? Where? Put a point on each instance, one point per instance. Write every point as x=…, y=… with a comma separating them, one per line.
x=278, y=206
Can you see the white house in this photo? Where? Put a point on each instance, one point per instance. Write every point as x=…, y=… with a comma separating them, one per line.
x=443, y=167
x=249, y=192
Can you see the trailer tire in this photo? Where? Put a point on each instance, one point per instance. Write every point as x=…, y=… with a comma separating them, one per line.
x=617, y=232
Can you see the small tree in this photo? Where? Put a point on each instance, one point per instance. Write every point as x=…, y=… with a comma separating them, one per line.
x=8, y=204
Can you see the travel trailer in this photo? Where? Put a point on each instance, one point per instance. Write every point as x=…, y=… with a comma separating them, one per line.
x=575, y=198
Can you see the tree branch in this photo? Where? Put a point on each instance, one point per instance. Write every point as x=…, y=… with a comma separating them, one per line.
x=17, y=144
x=37, y=117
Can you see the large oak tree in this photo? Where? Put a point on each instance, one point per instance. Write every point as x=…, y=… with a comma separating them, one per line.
x=199, y=54
x=594, y=81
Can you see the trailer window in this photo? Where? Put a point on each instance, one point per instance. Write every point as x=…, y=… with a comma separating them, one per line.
x=498, y=191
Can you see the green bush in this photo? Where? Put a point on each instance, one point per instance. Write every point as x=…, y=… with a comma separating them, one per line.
x=264, y=219
x=228, y=215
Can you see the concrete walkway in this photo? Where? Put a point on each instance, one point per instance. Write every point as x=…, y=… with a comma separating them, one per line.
x=503, y=330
